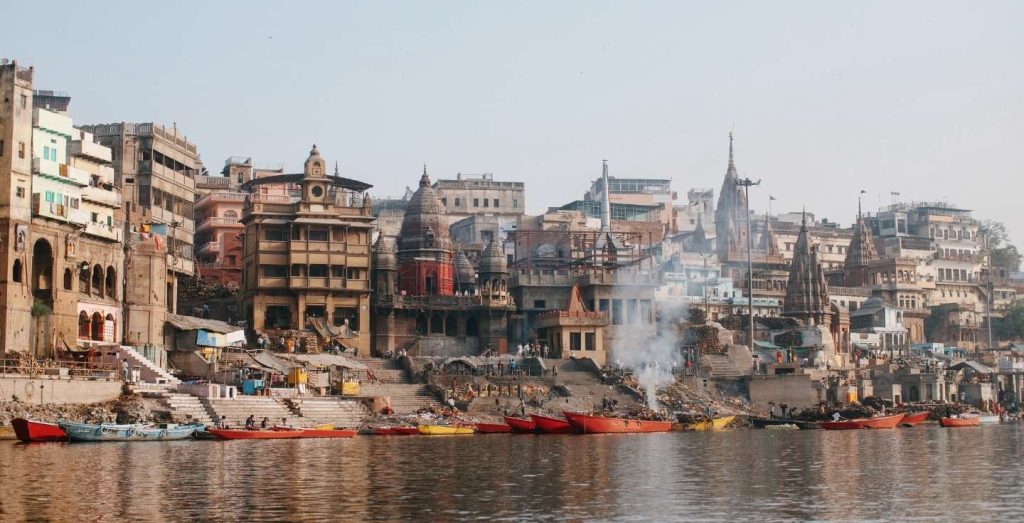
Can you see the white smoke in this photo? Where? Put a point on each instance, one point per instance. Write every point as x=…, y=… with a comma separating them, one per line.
x=653, y=360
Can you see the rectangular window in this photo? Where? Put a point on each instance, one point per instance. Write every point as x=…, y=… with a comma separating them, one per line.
x=496, y=203
x=539, y=304
x=318, y=271
x=602, y=305
x=275, y=271
x=646, y=311
x=476, y=202
x=444, y=202
x=616, y=312
x=21, y=150
x=24, y=101
x=95, y=217
x=589, y=341
x=275, y=235
x=278, y=317
x=1, y=148
x=297, y=269
x=631, y=312
x=21, y=192
x=515, y=203
x=456, y=200
x=575, y=343
x=49, y=196
x=486, y=202
x=317, y=235
x=354, y=274
x=46, y=153
x=337, y=271
x=110, y=221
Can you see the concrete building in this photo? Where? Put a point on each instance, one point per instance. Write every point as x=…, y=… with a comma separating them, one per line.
x=700, y=207
x=650, y=197
x=16, y=320
x=155, y=168
x=480, y=194
x=306, y=263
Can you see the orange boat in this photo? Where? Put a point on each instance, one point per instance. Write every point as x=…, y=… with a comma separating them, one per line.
x=883, y=422
x=546, y=425
x=967, y=421
x=328, y=433
x=911, y=420
x=255, y=434
x=521, y=425
x=493, y=428
x=846, y=424
x=31, y=431
x=589, y=424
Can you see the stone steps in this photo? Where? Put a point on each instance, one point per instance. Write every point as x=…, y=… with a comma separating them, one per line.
x=341, y=412
x=238, y=409
x=184, y=408
x=721, y=367
x=405, y=398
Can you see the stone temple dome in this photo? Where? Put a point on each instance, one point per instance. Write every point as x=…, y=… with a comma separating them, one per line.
x=492, y=260
x=464, y=269
x=424, y=225
x=384, y=255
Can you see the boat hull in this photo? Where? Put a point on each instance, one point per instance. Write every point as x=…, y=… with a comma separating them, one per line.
x=588, y=424
x=850, y=424
x=327, y=433
x=255, y=434
x=521, y=425
x=916, y=418
x=446, y=430
x=87, y=432
x=713, y=424
x=883, y=422
x=37, y=431
x=972, y=421
x=493, y=428
x=546, y=425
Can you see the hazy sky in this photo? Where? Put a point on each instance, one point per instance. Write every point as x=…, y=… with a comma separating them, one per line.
x=827, y=98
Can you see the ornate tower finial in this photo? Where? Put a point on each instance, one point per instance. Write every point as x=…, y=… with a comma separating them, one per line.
x=336, y=171
x=731, y=162
x=424, y=180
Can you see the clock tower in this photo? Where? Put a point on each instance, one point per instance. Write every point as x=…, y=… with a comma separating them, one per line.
x=314, y=179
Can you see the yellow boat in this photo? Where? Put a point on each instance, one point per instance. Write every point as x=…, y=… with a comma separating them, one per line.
x=7, y=433
x=445, y=430
x=325, y=426
x=716, y=423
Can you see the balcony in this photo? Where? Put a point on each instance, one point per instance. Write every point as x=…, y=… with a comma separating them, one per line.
x=57, y=211
x=90, y=150
x=210, y=248
x=214, y=222
x=99, y=195
x=60, y=172
x=218, y=197
x=269, y=282
x=102, y=230
x=180, y=265
x=53, y=122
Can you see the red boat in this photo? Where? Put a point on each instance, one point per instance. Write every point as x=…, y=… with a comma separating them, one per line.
x=878, y=422
x=546, y=425
x=37, y=431
x=255, y=434
x=323, y=433
x=521, y=425
x=492, y=428
x=913, y=419
x=588, y=424
x=967, y=421
x=396, y=431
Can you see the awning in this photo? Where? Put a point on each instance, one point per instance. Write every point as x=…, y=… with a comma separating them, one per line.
x=973, y=365
x=766, y=345
x=325, y=360
x=273, y=221
x=188, y=323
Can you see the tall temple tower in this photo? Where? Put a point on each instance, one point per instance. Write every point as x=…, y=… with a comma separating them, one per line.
x=731, y=213
x=860, y=255
x=426, y=262
x=807, y=291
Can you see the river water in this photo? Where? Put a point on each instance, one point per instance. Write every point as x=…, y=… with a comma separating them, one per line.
x=924, y=473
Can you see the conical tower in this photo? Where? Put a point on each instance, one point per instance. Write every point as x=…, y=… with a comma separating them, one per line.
x=730, y=214
x=807, y=291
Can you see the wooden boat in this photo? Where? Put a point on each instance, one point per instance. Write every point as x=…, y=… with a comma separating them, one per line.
x=255, y=434
x=846, y=424
x=883, y=422
x=204, y=434
x=446, y=430
x=988, y=419
x=590, y=424
x=916, y=418
x=521, y=425
x=88, y=432
x=396, y=431
x=764, y=423
x=327, y=433
x=31, y=431
x=324, y=426
x=493, y=428
x=966, y=421
x=783, y=426
x=546, y=425
x=712, y=424
x=7, y=433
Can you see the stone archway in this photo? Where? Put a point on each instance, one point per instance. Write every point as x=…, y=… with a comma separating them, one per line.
x=42, y=271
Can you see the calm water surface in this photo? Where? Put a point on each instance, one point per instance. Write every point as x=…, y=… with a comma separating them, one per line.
x=925, y=473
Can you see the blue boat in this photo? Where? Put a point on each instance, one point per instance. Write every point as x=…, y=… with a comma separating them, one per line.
x=80, y=432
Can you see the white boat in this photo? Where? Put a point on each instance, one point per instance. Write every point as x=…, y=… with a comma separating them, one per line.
x=783, y=426
x=112, y=432
x=985, y=420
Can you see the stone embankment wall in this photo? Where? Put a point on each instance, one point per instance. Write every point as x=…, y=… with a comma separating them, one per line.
x=57, y=391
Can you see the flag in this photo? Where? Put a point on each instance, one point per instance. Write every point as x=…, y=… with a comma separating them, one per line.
x=862, y=191
x=771, y=198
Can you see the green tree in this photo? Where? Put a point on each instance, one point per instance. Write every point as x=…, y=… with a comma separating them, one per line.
x=1011, y=326
x=1004, y=255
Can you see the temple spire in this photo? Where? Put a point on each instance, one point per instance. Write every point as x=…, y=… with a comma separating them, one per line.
x=732, y=163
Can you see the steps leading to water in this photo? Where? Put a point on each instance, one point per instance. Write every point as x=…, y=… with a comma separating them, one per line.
x=151, y=372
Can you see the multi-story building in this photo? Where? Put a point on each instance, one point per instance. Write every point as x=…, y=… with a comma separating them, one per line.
x=306, y=262
x=16, y=283
x=155, y=167
x=699, y=208
x=218, y=212
x=475, y=194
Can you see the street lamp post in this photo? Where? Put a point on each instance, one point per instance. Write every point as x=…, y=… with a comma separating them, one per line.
x=746, y=183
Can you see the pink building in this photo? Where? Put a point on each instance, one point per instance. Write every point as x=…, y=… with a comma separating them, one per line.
x=218, y=241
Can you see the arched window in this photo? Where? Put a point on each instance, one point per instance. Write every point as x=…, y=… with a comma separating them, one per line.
x=230, y=214
x=17, y=271
x=450, y=326
x=97, y=280
x=97, y=326
x=67, y=279
x=111, y=282
x=84, y=330
x=83, y=279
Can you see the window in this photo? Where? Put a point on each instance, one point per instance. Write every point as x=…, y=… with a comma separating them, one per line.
x=589, y=341
x=297, y=269
x=24, y=101
x=337, y=271
x=444, y=202
x=1, y=148
x=318, y=235
x=275, y=235
x=515, y=204
x=275, y=271
x=46, y=153
x=574, y=341
x=539, y=304
x=278, y=316
x=457, y=202
x=21, y=192
x=496, y=203
x=318, y=271
x=21, y=150
x=354, y=274
x=476, y=202
x=486, y=202
x=95, y=217
x=49, y=196
x=17, y=271
x=616, y=312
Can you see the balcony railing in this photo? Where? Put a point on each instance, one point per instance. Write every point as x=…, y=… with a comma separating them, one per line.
x=90, y=149
x=210, y=248
x=103, y=230
x=218, y=222
x=101, y=196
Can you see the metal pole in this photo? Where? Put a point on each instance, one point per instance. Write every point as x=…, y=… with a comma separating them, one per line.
x=746, y=183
